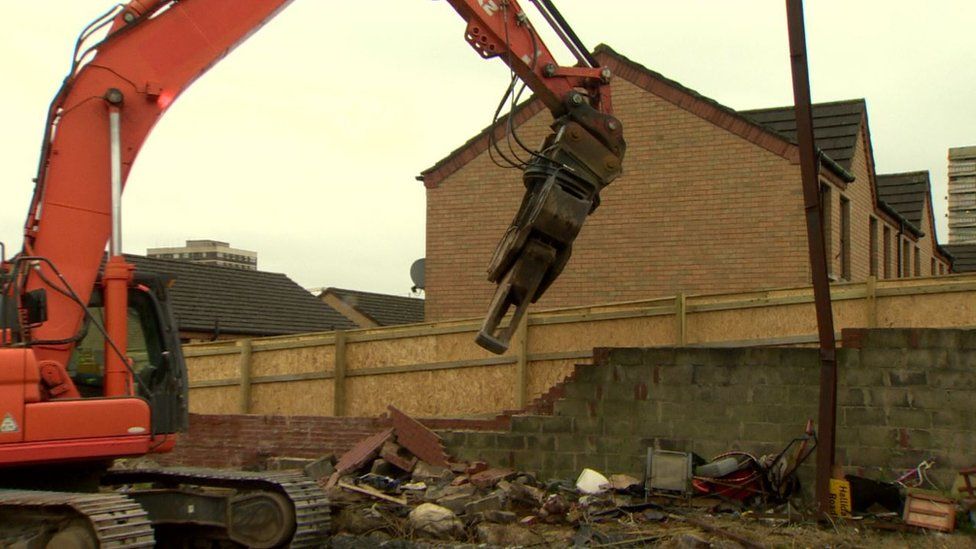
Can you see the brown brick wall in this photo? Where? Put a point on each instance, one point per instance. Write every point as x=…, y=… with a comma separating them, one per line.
x=699, y=209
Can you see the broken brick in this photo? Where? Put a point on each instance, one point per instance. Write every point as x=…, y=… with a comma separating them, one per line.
x=491, y=477
x=399, y=457
x=421, y=441
x=476, y=467
x=362, y=453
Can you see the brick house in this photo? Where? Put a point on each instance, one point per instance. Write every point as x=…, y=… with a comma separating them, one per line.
x=710, y=201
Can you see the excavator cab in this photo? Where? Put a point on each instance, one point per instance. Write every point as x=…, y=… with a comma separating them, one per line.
x=159, y=371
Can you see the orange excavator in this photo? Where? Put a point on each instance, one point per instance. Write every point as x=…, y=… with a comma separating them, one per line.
x=90, y=363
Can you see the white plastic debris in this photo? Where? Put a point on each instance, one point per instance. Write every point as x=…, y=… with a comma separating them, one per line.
x=592, y=482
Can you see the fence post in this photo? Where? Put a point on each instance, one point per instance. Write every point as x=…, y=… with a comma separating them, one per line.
x=522, y=365
x=339, y=387
x=245, y=366
x=681, y=319
x=871, y=303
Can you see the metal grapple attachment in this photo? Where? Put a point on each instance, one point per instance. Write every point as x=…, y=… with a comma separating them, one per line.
x=562, y=187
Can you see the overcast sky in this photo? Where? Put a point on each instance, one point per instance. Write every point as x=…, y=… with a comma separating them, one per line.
x=303, y=144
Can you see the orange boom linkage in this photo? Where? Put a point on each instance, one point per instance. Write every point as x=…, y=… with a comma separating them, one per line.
x=73, y=389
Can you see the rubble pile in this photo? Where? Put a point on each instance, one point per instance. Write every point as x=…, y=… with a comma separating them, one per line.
x=399, y=488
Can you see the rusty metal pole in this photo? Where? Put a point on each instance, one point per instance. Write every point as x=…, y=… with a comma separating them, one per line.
x=809, y=164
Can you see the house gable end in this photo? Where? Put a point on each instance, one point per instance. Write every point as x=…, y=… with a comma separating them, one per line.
x=652, y=82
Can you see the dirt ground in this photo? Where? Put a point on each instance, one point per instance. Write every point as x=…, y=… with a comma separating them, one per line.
x=719, y=531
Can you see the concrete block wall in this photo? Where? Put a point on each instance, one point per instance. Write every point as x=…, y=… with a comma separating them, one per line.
x=903, y=396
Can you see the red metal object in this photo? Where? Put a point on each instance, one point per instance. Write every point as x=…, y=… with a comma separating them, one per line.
x=116, y=280
x=741, y=484
x=968, y=488
x=170, y=51
x=498, y=28
x=153, y=51
x=818, y=259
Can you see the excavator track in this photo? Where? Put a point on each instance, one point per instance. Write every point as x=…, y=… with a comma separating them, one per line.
x=113, y=519
x=312, y=511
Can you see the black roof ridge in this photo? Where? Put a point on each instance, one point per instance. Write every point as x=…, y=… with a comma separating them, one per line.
x=927, y=173
x=368, y=292
x=674, y=83
x=831, y=164
x=819, y=104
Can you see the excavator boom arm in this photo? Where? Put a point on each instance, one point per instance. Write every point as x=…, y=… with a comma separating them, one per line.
x=155, y=49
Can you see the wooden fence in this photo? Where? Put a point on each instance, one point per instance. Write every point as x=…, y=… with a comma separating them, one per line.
x=435, y=369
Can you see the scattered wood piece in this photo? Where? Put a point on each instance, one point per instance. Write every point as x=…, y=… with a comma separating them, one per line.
x=372, y=492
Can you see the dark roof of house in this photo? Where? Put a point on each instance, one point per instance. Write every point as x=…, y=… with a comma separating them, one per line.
x=906, y=193
x=385, y=309
x=964, y=257
x=747, y=126
x=239, y=301
x=835, y=126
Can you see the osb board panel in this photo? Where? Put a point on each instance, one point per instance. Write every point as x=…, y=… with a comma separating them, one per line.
x=762, y=323
x=293, y=361
x=932, y=311
x=438, y=393
x=415, y=350
x=926, y=281
x=584, y=336
x=293, y=398
x=735, y=298
x=213, y=367
x=543, y=374
x=851, y=313
x=215, y=400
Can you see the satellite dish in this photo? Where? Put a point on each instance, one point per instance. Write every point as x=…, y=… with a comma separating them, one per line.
x=417, y=274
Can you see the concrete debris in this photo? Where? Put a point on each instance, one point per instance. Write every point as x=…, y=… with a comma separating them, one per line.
x=384, y=491
x=500, y=517
x=435, y=520
x=623, y=482
x=424, y=471
x=321, y=467
x=492, y=502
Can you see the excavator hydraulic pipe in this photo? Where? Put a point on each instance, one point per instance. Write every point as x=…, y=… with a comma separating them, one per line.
x=116, y=281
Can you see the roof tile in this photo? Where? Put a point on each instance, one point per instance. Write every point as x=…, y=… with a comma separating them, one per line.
x=239, y=301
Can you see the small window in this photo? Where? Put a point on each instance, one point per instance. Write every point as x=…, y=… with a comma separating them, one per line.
x=828, y=233
x=906, y=258
x=917, y=262
x=941, y=268
x=887, y=252
x=873, y=246
x=845, y=238
x=932, y=267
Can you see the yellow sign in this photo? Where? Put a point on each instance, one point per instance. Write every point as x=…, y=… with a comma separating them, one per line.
x=840, y=497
